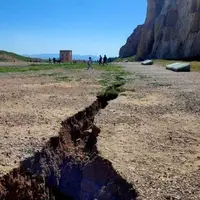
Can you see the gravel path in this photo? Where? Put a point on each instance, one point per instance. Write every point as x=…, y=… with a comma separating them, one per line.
x=154, y=129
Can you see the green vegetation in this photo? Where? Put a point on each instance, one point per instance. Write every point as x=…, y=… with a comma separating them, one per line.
x=66, y=66
x=109, y=68
x=164, y=62
x=195, y=66
x=113, y=89
x=52, y=74
x=26, y=68
x=128, y=59
x=38, y=67
x=9, y=55
x=112, y=82
x=2, y=59
x=112, y=78
x=112, y=59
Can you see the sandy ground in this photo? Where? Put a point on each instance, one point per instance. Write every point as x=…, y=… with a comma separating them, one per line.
x=151, y=133
x=32, y=107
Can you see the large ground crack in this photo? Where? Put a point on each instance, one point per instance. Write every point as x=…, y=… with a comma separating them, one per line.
x=69, y=166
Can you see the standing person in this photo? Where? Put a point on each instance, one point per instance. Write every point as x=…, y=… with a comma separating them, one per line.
x=90, y=63
x=49, y=60
x=54, y=60
x=100, y=60
x=105, y=60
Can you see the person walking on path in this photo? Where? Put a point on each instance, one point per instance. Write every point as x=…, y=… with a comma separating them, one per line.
x=100, y=60
x=105, y=60
x=90, y=63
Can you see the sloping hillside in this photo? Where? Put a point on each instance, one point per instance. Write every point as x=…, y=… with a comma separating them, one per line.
x=12, y=57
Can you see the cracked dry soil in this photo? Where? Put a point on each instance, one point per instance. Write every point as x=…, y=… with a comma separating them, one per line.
x=149, y=135
x=68, y=167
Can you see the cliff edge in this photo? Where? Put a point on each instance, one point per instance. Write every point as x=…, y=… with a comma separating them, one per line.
x=171, y=31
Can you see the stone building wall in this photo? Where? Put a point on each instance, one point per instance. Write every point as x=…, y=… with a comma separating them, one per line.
x=65, y=55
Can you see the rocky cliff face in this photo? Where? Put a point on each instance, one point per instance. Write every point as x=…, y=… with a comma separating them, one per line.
x=130, y=48
x=171, y=30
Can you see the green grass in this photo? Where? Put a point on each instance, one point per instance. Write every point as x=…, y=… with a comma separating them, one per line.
x=25, y=69
x=114, y=88
x=54, y=66
x=39, y=67
x=15, y=56
x=128, y=59
x=164, y=62
x=108, y=68
x=112, y=75
x=195, y=66
x=54, y=74
x=112, y=81
x=112, y=78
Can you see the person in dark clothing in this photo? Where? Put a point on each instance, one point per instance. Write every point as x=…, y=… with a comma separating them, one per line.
x=54, y=60
x=100, y=60
x=105, y=60
x=58, y=61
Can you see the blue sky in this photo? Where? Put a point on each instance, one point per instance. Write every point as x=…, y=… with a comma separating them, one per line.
x=85, y=26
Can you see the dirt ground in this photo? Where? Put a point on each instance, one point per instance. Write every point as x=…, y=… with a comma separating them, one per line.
x=151, y=133
x=32, y=106
x=17, y=64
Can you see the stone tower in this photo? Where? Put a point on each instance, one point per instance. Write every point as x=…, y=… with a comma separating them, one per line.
x=65, y=55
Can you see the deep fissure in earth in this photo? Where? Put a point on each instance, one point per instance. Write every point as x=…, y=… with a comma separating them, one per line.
x=69, y=166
